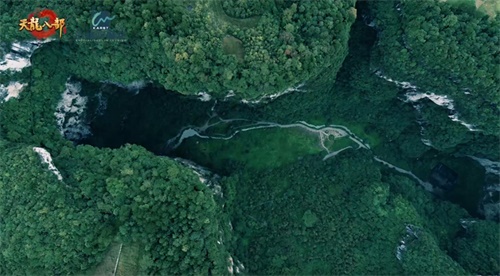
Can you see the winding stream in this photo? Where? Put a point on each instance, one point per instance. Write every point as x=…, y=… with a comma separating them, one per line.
x=324, y=132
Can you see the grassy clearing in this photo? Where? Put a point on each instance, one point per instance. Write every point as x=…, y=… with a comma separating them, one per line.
x=107, y=266
x=338, y=144
x=129, y=260
x=489, y=7
x=256, y=149
x=233, y=46
x=128, y=264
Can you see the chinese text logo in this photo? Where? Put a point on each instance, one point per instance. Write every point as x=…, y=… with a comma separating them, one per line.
x=33, y=24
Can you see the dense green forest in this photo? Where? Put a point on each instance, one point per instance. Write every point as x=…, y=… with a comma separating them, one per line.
x=128, y=195
x=273, y=203
x=446, y=47
x=351, y=223
x=195, y=46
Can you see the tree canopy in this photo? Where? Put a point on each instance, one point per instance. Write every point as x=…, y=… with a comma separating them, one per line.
x=445, y=47
x=341, y=216
x=287, y=213
x=203, y=45
x=52, y=226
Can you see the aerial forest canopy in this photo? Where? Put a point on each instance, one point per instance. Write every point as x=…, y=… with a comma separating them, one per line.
x=446, y=48
x=319, y=199
x=53, y=226
x=209, y=46
x=350, y=222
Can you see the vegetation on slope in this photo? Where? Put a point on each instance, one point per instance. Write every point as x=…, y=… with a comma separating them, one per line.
x=290, y=215
x=183, y=45
x=445, y=47
x=340, y=216
x=49, y=226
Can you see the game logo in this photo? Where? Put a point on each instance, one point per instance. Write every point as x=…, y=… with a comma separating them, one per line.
x=43, y=24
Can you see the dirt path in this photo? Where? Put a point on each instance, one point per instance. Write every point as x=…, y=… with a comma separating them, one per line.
x=323, y=132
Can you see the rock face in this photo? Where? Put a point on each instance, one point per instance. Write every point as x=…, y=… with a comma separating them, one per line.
x=411, y=235
x=11, y=91
x=212, y=180
x=14, y=60
x=70, y=113
x=446, y=64
x=18, y=57
x=489, y=206
x=19, y=54
x=443, y=177
x=47, y=159
x=134, y=86
x=206, y=177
